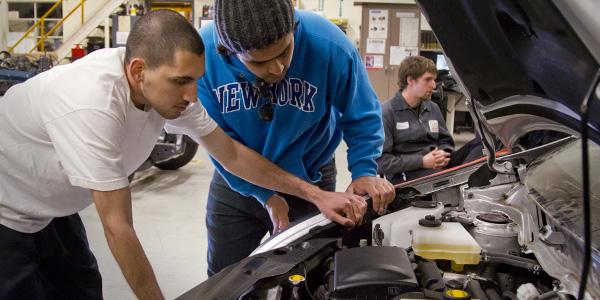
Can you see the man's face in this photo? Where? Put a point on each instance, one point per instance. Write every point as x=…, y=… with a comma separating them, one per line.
x=169, y=89
x=423, y=87
x=270, y=63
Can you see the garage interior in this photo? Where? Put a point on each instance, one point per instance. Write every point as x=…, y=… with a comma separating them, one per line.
x=169, y=203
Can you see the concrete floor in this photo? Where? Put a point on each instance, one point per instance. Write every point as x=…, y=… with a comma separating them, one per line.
x=168, y=212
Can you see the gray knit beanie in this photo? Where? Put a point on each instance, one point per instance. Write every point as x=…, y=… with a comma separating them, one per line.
x=244, y=25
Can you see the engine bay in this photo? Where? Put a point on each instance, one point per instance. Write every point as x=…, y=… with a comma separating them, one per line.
x=447, y=237
x=422, y=249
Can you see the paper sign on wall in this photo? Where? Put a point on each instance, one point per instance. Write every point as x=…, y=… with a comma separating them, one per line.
x=378, y=23
x=397, y=54
x=376, y=46
x=405, y=15
x=409, y=32
x=122, y=37
x=374, y=61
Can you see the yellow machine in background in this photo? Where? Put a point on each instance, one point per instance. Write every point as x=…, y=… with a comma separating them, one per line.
x=185, y=8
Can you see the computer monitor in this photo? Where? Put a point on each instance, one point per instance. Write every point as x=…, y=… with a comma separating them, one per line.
x=441, y=63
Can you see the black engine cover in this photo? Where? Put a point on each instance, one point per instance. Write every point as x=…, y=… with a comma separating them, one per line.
x=372, y=273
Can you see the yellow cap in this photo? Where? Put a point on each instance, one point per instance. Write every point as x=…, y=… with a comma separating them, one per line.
x=296, y=279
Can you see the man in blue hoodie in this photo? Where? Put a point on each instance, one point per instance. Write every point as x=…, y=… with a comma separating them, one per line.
x=289, y=85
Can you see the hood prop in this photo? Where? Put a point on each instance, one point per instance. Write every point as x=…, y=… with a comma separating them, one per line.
x=488, y=138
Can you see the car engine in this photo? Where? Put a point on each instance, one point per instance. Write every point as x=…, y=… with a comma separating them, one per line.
x=421, y=249
x=468, y=234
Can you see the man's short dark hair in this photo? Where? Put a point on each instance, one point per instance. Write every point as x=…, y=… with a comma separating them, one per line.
x=414, y=67
x=157, y=35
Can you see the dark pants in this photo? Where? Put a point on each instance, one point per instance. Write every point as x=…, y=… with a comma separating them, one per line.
x=468, y=152
x=54, y=263
x=236, y=224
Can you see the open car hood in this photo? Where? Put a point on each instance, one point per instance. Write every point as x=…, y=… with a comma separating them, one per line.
x=524, y=65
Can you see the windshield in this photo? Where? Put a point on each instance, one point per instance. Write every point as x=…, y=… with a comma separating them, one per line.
x=557, y=179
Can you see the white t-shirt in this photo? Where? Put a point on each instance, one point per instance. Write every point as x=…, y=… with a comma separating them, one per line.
x=71, y=129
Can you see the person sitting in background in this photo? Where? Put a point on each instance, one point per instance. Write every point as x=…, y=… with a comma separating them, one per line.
x=417, y=141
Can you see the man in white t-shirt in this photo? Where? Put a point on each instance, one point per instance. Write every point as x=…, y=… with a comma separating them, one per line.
x=72, y=135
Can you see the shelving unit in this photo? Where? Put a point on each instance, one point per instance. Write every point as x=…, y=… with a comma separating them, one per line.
x=429, y=42
x=431, y=50
x=184, y=7
x=430, y=47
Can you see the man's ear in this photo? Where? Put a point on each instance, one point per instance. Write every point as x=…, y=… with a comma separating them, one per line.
x=137, y=66
x=409, y=80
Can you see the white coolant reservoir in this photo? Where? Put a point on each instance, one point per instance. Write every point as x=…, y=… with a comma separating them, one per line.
x=396, y=226
x=449, y=241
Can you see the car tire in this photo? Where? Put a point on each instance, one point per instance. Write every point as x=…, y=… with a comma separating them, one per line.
x=173, y=164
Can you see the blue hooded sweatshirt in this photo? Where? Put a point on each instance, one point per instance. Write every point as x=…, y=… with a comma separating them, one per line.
x=324, y=96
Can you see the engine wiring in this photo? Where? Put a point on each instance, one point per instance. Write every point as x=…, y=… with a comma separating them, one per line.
x=586, y=188
x=306, y=282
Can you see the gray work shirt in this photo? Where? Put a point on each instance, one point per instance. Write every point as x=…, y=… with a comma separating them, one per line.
x=410, y=134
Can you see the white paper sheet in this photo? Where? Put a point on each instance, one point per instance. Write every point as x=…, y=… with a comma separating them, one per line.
x=376, y=46
x=397, y=54
x=122, y=37
x=405, y=15
x=378, y=61
x=374, y=61
x=378, y=23
x=409, y=32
